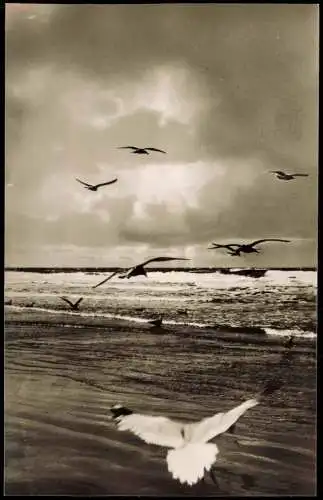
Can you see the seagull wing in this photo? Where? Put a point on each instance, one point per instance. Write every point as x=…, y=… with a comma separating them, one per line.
x=67, y=301
x=106, y=183
x=128, y=147
x=106, y=279
x=153, y=430
x=155, y=149
x=84, y=183
x=210, y=427
x=161, y=259
x=78, y=301
x=299, y=175
x=267, y=239
x=279, y=172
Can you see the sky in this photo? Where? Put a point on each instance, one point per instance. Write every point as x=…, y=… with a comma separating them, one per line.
x=229, y=91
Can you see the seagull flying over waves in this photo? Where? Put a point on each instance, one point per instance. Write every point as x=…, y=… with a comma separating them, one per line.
x=74, y=306
x=142, y=151
x=139, y=269
x=283, y=176
x=190, y=454
x=95, y=187
x=236, y=249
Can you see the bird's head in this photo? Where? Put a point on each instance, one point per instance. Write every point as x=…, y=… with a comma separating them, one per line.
x=119, y=411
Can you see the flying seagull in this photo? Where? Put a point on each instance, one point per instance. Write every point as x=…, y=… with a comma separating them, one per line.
x=74, y=306
x=283, y=176
x=95, y=187
x=289, y=343
x=139, y=269
x=191, y=454
x=142, y=151
x=236, y=249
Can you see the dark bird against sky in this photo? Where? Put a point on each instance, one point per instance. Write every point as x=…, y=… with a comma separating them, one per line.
x=236, y=249
x=142, y=151
x=95, y=187
x=283, y=176
x=74, y=306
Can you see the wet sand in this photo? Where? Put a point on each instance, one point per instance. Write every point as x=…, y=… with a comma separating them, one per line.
x=61, y=380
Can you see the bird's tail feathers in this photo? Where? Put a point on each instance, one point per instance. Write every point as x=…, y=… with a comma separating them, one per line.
x=189, y=463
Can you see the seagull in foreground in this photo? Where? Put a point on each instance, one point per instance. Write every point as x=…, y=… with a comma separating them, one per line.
x=142, y=151
x=283, y=176
x=74, y=306
x=139, y=269
x=236, y=249
x=95, y=187
x=191, y=455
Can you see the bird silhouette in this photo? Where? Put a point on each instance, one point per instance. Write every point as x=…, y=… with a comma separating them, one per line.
x=191, y=455
x=156, y=322
x=283, y=176
x=95, y=187
x=236, y=249
x=108, y=278
x=142, y=151
x=73, y=306
x=138, y=270
x=289, y=342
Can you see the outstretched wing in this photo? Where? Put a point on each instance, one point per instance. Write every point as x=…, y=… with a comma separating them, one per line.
x=161, y=259
x=229, y=245
x=78, y=301
x=106, y=183
x=279, y=172
x=210, y=427
x=84, y=183
x=128, y=147
x=155, y=149
x=67, y=301
x=267, y=239
x=153, y=430
x=299, y=175
x=106, y=279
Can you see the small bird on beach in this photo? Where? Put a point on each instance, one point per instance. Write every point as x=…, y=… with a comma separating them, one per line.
x=142, y=151
x=156, y=322
x=95, y=187
x=289, y=342
x=283, y=176
x=74, y=306
x=236, y=249
x=191, y=455
x=138, y=270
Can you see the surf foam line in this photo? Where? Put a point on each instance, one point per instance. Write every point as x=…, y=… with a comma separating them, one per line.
x=135, y=319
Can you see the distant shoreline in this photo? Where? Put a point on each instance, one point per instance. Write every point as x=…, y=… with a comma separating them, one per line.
x=152, y=269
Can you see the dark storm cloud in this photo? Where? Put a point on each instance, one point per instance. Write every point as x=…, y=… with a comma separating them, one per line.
x=255, y=69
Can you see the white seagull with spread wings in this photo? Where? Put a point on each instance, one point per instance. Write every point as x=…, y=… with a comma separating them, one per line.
x=191, y=455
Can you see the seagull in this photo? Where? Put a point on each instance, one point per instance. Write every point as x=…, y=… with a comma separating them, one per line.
x=289, y=342
x=283, y=176
x=74, y=306
x=95, y=187
x=139, y=270
x=236, y=249
x=156, y=322
x=190, y=455
x=142, y=151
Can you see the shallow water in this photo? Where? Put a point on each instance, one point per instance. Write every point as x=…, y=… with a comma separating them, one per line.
x=60, y=382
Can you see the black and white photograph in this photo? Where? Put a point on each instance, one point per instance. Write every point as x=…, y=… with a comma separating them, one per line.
x=161, y=231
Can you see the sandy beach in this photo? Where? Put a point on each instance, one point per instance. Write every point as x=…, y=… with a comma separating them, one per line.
x=61, y=378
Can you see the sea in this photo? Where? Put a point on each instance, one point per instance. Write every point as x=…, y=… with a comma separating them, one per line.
x=222, y=340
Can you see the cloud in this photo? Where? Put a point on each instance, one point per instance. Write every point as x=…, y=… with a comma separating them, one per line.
x=230, y=91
